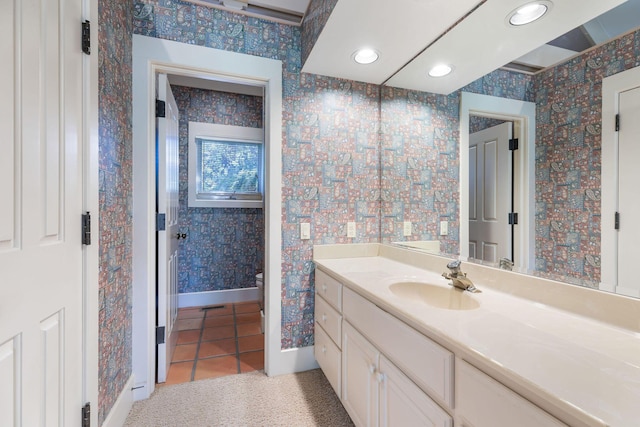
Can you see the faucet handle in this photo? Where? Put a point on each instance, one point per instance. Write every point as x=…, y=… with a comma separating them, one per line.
x=454, y=266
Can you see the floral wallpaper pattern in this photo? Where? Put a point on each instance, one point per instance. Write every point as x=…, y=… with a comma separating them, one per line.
x=331, y=158
x=568, y=153
x=115, y=216
x=420, y=161
x=330, y=143
x=224, y=248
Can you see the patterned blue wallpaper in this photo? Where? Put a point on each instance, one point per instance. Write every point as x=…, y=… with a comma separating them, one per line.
x=330, y=143
x=420, y=161
x=115, y=217
x=419, y=165
x=568, y=158
x=224, y=248
x=331, y=159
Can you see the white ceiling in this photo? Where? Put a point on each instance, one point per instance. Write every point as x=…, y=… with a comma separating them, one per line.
x=611, y=24
x=401, y=29
x=397, y=29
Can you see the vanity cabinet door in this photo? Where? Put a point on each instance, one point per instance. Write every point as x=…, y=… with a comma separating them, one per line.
x=483, y=402
x=402, y=403
x=329, y=358
x=359, y=377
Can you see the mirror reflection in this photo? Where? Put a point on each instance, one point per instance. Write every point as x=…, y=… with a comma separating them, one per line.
x=430, y=190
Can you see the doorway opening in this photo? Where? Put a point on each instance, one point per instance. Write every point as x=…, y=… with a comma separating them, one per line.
x=522, y=114
x=210, y=190
x=150, y=57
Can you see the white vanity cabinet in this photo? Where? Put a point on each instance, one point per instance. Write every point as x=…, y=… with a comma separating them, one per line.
x=376, y=393
x=328, y=328
x=387, y=374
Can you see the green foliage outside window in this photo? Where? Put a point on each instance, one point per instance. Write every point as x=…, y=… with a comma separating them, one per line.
x=229, y=166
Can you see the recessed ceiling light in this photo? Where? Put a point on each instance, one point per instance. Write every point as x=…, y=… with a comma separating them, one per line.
x=529, y=12
x=440, y=70
x=365, y=56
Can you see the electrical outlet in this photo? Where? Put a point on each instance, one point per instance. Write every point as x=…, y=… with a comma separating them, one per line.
x=305, y=231
x=351, y=229
x=444, y=228
x=406, y=228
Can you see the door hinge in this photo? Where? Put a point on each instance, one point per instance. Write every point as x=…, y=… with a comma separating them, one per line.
x=513, y=218
x=160, y=108
x=513, y=144
x=617, y=122
x=159, y=335
x=86, y=228
x=161, y=222
x=86, y=37
x=616, y=221
x=86, y=415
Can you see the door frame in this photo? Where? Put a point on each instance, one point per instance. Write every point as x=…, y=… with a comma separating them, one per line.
x=150, y=56
x=91, y=253
x=612, y=86
x=523, y=114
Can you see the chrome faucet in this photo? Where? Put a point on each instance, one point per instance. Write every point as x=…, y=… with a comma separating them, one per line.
x=506, y=264
x=458, y=278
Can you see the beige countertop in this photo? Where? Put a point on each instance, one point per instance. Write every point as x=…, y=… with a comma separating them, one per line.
x=582, y=370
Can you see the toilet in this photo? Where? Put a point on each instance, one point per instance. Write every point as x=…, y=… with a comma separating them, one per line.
x=260, y=286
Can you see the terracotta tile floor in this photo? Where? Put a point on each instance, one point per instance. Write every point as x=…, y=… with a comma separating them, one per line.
x=216, y=341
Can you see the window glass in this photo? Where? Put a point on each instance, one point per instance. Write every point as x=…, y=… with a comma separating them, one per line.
x=229, y=167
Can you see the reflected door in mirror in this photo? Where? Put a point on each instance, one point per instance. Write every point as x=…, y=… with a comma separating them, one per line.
x=490, y=192
x=628, y=201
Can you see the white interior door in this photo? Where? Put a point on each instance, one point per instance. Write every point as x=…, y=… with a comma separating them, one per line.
x=168, y=204
x=628, y=200
x=490, y=194
x=41, y=190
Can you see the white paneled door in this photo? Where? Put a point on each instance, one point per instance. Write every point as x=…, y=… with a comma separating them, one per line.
x=628, y=201
x=41, y=166
x=490, y=186
x=168, y=204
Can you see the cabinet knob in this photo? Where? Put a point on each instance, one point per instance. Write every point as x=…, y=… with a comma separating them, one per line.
x=324, y=288
x=324, y=317
x=324, y=348
x=380, y=377
x=372, y=369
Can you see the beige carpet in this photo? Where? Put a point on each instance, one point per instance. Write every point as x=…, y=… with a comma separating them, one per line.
x=252, y=399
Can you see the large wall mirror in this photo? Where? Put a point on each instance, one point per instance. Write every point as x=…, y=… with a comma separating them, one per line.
x=555, y=111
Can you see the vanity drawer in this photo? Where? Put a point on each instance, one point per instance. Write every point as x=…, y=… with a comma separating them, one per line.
x=329, y=358
x=484, y=402
x=429, y=364
x=329, y=319
x=330, y=289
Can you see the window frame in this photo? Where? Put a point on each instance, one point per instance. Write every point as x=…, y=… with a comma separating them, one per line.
x=212, y=131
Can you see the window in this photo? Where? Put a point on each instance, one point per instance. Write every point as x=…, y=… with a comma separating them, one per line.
x=225, y=166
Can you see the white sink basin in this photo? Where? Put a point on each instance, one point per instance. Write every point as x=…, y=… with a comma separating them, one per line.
x=449, y=298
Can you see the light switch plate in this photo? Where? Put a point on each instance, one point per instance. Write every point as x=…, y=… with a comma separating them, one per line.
x=444, y=228
x=406, y=228
x=305, y=231
x=351, y=229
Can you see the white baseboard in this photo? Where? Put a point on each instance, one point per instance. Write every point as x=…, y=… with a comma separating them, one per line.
x=198, y=299
x=294, y=360
x=120, y=410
